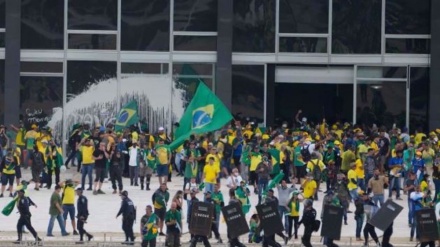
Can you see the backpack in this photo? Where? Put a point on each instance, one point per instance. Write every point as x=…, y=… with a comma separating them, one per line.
x=316, y=225
x=317, y=173
x=306, y=156
x=228, y=150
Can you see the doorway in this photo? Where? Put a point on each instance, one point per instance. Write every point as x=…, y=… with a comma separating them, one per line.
x=334, y=102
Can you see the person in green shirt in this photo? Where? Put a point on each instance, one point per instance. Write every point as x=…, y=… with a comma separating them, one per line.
x=173, y=220
x=217, y=197
x=299, y=164
x=191, y=157
x=347, y=158
x=56, y=212
x=149, y=226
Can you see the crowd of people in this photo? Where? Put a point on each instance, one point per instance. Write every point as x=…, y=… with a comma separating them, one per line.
x=354, y=165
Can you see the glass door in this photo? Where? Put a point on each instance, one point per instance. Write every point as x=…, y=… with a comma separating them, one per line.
x=382, y=96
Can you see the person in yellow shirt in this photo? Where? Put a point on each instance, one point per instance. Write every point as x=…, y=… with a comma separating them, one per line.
x=352, y=181
x=316, y=167
x=293, y=217
x=213, y=154
x=256, y=158
x=424, y=186
x=360, y=173
x=68, y=202
x=210, y=174
x=7, y=171
x=88, y=163
x=309, y=187
x=30, y=139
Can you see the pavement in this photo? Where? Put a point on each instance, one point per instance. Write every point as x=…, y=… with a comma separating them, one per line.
x=107, y=230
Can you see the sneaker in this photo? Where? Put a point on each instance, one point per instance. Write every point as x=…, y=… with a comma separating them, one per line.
x=95, y=192
x=411, y=239
x=1, y=195
x=101, y=192
x=50, y=235
x=345, y=223
x=66, y=234
x=286, y=239
x=89, y=237
x=75, y=232
x=90, y=189
x=220, y=241
x=161, y=234
x=38, y=239
x=114, y=192
x=398, y=198
x=11, y=195
x=378, y=244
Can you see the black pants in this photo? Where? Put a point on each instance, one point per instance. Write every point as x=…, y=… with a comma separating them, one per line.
x=235, y=243
x=25, y=220
x=196, y=238
x=214, y=229
x=81, y=230
x=270, y=241
x=50, y=172
x=369, y=229
x=127, y=227
x=71, y=157
x=116, y=176
x=430, y=244
x=293, y=226
x=387, y=236
x=147, y=182
x=306, y=237
x=149, y=243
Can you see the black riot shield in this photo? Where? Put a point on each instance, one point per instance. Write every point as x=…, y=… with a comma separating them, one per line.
x=427, y=225
x=235, y=220
x=332, y=222
x=202, y=214
x=386, y=215
x=270, y=218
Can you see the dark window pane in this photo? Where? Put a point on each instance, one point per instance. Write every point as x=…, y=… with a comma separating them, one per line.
x=145, y=25
x=356, y=26
x=188, y=86
x=195, y=15
x=248, y=91
x=83, y=75
x=313, y=45
x=408, y=46
x=92, y=41
x=192, y=69
x=2, y=40
x=2, y=14
x=40, y=97
x=408, y=17
x=93, y=14
x=50, y=67
x=42, y=24
x=304, y=16
x=144, y=68
x=2, y=90
x=195, y=43
x=382, y=72
x=254, y=26
x=419, y=98
x=381, y=102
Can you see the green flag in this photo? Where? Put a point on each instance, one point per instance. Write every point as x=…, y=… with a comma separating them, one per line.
x=127, y=116
x=7, y=210
x=205, y=113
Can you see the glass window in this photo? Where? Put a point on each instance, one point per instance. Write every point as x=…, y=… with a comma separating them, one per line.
x=304, y=16
x=93, y=14
x=356, y=26
x=42, y=24
x=408, y=17
x=381, y=72
x=408, y=46
x=145, y=25
x=254, y=26
x=144, y=68
x=294, y=44
x=195, y=15
x=248, y=91
x=2, y=90
x=419, y=98
x=3, y=13
x=41, y=67
x=381, y=102
x=195, y=43
x=2, y=40
x=92, y=41
x=192, y=69
x=89, y=79
x=40, y=98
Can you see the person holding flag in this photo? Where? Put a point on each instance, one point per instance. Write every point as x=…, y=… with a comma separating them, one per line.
x=242, y=193
x=54, y=162
x=149, y=228
x=7, y=171
x=23, y=203
x=173, y=220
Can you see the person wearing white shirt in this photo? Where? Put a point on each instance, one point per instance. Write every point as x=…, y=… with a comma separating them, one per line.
x=133, y=164
x=234, y=179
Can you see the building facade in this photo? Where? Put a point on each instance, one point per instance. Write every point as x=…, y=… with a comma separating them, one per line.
x=366, y=61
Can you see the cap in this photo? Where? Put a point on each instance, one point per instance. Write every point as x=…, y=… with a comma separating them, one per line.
x=161, y=128
x=79, y=189
x=124, y=193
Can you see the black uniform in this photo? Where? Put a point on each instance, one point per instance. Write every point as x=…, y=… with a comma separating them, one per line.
x=214, y=228
x=25, y=217
x=128, y=215
x=308, y=219
x=83, y=213
x=270, y=240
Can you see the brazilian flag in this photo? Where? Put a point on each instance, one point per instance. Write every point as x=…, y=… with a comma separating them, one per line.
x=275, y=153
x=150, y=231
x=7, y=210
x=127, y=116
x=204, y=113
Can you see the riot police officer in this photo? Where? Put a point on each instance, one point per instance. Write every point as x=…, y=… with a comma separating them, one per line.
x=128, y=212
x=308, y=219
x=23, y=204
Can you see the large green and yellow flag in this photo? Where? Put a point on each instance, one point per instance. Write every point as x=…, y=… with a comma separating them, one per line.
x=127, y=116
x=205, y=113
